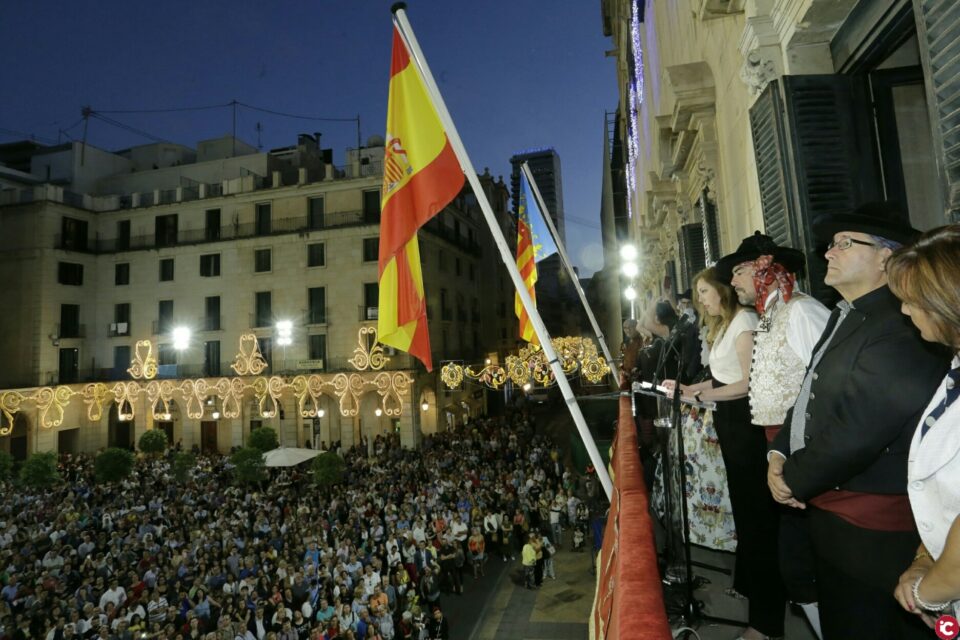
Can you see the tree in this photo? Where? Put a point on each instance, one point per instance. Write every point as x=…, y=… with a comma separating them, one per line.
x=39, y=470
x=153, y=442
x=263, y=439
x=248, y=467
x=328, y=469
x=113, y=464
x=182, y=464
x=6, y=466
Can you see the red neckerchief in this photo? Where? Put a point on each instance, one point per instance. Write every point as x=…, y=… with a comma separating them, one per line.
x=766, y=272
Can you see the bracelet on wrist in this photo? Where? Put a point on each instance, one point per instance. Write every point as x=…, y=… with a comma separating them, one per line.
x=929, y=606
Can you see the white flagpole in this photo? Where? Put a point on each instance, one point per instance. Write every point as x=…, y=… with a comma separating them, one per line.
x=416, y=55
x=525, y=167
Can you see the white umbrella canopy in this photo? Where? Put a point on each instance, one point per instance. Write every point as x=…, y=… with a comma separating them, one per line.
x=289, y=456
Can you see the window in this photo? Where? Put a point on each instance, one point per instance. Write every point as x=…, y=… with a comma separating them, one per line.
x=165, y=230
x=473, y=272
x=456, y=265
x=261, y=260
x=442, y=260
x=166, y=270
x=69, y=321
x=211, y=319
x=266, y=350
x=264, y=309
x=371, y=206
x=371, y=300
x=73, y=234
x=166, y=355
x=317, y=298
x=164, y=316
x=318, y=348
x=315, y=213
x=212, y=228
x=70, y=273
x=121, y=360
x=121, y=317
x=446, y=313
x=263, y=219
x=121, y=273
x=211, y=358
x=123, y=235
x=371, y=249
x=316, y=255
x=210, y=265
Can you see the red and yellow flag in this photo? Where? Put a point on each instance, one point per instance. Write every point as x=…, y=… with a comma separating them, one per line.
x=526, y=264
x=421, y=176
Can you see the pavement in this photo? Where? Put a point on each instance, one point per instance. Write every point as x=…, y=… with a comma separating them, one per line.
x=559, y=610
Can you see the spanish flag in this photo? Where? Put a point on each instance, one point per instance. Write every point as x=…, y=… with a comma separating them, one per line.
x=421, y=176
x=526, y=264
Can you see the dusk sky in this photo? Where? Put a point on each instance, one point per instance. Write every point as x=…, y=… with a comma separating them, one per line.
x=515, y=75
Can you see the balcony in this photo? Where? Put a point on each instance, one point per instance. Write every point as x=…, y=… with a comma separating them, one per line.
x=278, y=226
x=117, y=329
x=211, y=323
x=368, y=313
x=70, y=331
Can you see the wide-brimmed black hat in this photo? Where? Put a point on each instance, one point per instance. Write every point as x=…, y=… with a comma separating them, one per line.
x=752, y=248
x=883, y=219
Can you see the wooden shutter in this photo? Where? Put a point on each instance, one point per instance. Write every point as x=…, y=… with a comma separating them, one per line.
x=815, y=156
x=776, y=187
x=711, y=230
x=692, y=255
x=938, y=30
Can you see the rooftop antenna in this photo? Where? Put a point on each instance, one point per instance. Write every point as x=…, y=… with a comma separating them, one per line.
x=259, y=129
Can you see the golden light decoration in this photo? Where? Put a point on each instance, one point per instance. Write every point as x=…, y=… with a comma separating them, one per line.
x=249, y=361
x=193, y=393
x=369, y=352
x=143, y=365
x=530, y=365
x=452, y=375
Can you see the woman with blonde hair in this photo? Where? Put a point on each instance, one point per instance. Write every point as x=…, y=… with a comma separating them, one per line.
x=924, y=275
x=729, y=332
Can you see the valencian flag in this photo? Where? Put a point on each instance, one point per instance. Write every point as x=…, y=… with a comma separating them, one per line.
x=421, y=176
x=534, y=243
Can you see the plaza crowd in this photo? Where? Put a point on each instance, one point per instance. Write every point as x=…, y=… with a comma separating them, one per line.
x=377, y=556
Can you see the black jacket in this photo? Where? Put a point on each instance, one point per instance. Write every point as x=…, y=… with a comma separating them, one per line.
x=867, y=394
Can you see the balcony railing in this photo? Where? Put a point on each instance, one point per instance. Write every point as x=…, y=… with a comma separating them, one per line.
x=70, y=331
x=368, y=313
x=278, y=226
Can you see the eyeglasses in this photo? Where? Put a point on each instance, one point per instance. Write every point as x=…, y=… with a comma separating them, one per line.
x=845, y=243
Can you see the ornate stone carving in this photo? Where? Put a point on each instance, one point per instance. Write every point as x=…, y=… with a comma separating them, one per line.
x=757, y=72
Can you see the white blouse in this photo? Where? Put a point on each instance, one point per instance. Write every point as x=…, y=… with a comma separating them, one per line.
x=724, y=363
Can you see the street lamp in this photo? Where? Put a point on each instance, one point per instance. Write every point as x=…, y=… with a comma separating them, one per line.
x=181, y=338
x=628, y=253
x=425, y=406
x=630, y=269
x=284, y=338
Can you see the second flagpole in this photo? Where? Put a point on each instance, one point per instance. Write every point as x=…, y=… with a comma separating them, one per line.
x=406, y=32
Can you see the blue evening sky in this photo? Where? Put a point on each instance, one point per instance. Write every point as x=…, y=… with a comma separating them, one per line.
x=516, y=74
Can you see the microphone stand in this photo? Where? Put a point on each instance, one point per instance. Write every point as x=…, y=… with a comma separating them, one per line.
x=692, y=609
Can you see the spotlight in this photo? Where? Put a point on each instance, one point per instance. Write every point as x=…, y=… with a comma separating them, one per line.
x=321, y=413
x=425, y=406
x=630, y=293
x=181, y=338
x=216, y=415
x=628, y=253
x=630, y=269
x=166, y=416
x=527, y=386
x=284, y=333
x=379, y=412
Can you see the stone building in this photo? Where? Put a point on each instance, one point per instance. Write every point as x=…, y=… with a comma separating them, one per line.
x=764, y=114
x=102, y=250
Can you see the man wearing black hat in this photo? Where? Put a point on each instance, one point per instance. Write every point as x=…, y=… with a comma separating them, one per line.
x=842, y=454
x=763, y=275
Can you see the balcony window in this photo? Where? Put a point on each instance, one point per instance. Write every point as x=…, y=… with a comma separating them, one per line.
x=315, y=213
x=316, y=254
x=212, y=225
x=263, y=221
x=263, y=309
x=166, y=230
x=317, y=299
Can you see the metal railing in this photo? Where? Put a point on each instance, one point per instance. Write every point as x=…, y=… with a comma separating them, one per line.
x=70, y=331
x=278, y=226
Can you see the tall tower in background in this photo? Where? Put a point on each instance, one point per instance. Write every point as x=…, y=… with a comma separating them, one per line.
x=545, y=166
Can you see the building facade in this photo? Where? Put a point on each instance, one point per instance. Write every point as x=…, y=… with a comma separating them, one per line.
x=225, y=241
x=764, y=114
x=545, y=167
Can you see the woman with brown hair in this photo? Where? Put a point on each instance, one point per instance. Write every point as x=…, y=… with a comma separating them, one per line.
x=729, y=332
x=925, y=276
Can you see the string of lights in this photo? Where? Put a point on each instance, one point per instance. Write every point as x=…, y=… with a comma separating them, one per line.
x=635, y=100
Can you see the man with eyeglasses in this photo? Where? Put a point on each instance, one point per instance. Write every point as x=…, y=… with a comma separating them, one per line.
x=764, y=276
x=842, y=453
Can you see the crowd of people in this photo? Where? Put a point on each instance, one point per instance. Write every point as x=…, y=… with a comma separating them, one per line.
x=375, y=557
x=823, y=416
